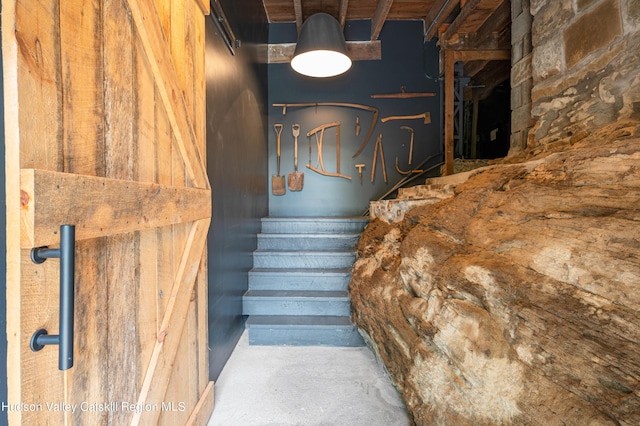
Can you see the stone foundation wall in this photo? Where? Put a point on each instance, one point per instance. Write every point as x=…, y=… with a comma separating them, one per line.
x=521, y=75
x=582, y=76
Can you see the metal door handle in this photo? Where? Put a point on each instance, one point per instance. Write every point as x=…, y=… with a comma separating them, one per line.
x=64, y=340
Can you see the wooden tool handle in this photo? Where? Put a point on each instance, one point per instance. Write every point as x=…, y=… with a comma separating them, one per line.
x=278, y=128
x=295, y=129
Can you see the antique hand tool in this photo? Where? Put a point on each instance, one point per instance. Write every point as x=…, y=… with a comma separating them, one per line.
x=426, y=116
x=277, y=181
x=374, y=110
x=360, y=167
x=377, y=148
x=296, y=179
x=408, y=172
x=410, y=143
x=318, y=132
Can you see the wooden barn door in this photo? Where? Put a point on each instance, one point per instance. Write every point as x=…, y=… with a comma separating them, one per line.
x=105, y=130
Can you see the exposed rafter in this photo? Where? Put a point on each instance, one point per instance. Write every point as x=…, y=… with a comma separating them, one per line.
x=380, y=16
x=461, y=26
x=342, y=12
x=465, y=12
x=438, y=14
x=297, y=7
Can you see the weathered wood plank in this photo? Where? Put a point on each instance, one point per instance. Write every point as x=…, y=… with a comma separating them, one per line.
x=200, y=85
x=202, y=319
x=147, y=320
x=164, y=14
x=204, y=5
x=449, y=62
x=11, y=64
x=189, y=60
x=182, y=392
x=40, y=378
x=202, y=413
x=480, y=55
x=178, y=388
x=122, y=251
x=101, y=206
x=382, y=10
x=177, y=43
x=87, y=380
x=168, y=339
x=200, y=125
x=81, y=86
x=147, y=24
x=343, y=6
x=466, y=11
x=84, y=152
x=357, y=51
x=39, y=74
x=297, y=10
x=438, y=15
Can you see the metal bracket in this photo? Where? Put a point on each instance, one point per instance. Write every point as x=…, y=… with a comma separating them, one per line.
x=64, y=340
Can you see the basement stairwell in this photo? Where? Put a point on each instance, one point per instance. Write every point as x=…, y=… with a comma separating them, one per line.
x=298, y=287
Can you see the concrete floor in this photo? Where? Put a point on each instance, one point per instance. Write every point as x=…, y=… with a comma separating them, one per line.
x=305, y=386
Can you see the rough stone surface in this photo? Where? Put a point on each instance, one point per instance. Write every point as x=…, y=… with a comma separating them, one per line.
x=592, y=31
x=516, y=300
x=550, y=14
x=521, y=71
x=548, y=60
x=585, y=66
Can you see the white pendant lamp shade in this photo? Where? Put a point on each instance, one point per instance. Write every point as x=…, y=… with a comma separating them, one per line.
x=321, y=50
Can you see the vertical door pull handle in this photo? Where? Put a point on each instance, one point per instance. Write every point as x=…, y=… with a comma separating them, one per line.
x=64, y=340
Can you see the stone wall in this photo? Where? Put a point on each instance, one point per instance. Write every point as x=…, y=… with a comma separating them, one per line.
x=521, y=75
x=584, y=68
x=516, y=300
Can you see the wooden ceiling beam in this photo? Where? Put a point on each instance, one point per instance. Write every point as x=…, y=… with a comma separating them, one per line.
x=297, y=10
x=382, y=11
x=481, y=55
x=499, y=19
x=357, y=51
x=342, y=12
x=472, y=17
x=473, y=68
x=438, y=14
x=491, y=76
x=467, y=10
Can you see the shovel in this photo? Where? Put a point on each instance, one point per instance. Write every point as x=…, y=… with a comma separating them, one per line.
x=277, y=181
x=296, y=179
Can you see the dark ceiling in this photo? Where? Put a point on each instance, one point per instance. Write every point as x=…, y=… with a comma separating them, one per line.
x=479, y=26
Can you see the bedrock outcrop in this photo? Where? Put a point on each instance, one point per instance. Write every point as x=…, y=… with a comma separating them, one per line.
x=517, y=300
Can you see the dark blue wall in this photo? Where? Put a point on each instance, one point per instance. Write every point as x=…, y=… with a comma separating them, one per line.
x=405, y=62
x=3, y=257
x=236, y=163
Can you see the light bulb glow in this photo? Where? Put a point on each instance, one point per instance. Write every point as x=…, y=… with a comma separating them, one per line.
x=321, y=63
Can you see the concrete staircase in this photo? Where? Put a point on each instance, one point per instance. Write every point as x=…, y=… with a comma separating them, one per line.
x=298, y=287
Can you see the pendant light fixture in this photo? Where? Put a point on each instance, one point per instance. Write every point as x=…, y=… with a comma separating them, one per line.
x=321, y=50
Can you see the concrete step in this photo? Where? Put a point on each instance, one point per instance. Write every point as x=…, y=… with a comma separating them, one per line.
x=297, y=225
x=307, y=241
x=299, y=279
x=294, y=302
x=298, y=287
x=288, y=330
x=303, y=259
